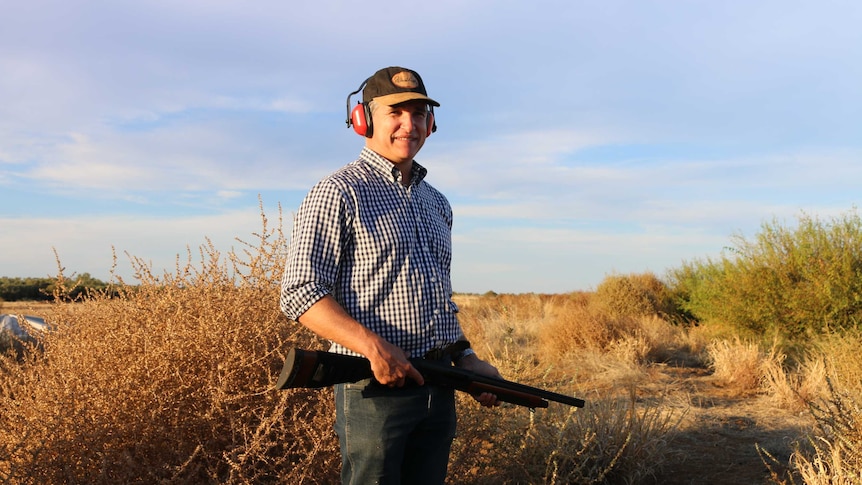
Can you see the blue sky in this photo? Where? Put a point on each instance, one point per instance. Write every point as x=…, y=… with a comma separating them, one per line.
x=576, y=139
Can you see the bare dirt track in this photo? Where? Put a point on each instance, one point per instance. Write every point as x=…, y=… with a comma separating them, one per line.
x=718, y=440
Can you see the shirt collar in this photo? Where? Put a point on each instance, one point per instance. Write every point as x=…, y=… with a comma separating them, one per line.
x=388, y=169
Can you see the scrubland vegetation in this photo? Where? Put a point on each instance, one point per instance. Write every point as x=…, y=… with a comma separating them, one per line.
x=169, y=379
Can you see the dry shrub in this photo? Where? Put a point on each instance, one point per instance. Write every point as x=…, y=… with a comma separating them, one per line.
x=581, y=337
x=169, y=382
x=556, y=335
x=631, y=349
x=607, y=442
x=668, y=343
x=573, y=336
x=742, y=367
x=794, y=388
x=698, y=338
x=579, y=322
x=499, y=322
x=634, y=295
x=609, y=370
x=841, y=354
x=624, y=316
x=833, y=453
x=736, y=364
x=833, y=463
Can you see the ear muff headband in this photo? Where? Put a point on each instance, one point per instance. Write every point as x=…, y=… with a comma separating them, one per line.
x=360, y=116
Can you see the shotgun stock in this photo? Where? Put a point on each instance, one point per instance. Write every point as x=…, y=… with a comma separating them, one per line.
x=315, y=369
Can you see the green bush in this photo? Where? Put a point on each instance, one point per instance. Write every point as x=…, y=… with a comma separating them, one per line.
x=788, y=281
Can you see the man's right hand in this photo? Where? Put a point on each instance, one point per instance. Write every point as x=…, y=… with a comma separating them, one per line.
x=391, y=366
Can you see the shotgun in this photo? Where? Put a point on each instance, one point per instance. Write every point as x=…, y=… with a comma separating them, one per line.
x=316, y=368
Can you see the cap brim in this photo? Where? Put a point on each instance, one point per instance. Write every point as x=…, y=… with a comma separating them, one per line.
x=398, y=98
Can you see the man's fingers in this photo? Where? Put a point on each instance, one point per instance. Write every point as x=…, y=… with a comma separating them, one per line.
x=415, y=375
x=396, y=375
x=488, y=400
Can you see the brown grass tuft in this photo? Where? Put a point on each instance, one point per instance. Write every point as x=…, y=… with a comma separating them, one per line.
x=737, y=364
x=609, y=441
x=832, y=454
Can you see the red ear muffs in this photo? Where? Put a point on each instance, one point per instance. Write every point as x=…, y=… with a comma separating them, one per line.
x=360, y=118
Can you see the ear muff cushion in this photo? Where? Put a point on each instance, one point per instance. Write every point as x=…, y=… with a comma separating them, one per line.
x=369, y=122
x=431, y=126
x=361, y=120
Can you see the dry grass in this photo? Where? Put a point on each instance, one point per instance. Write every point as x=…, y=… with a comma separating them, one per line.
x=609, y=441
x=825, y=381
x=794, y=389
x=737, y=364
x=832, y=454
x=572, y=344
x=34, y=308
x=743, y=367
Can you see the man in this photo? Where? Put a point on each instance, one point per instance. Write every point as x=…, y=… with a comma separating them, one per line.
x=368, y=268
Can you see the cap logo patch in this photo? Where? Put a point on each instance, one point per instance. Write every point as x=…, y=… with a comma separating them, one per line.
x=405, y=80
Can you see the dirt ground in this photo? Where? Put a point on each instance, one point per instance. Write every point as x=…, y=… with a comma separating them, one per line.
x=718, y=440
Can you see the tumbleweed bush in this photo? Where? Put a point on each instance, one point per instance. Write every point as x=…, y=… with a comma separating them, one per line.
x=170, y=382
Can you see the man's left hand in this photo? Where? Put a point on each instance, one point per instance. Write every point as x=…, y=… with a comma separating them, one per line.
x=473, y=363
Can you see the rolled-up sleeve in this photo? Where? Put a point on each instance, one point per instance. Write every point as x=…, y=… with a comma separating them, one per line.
x=316, y=247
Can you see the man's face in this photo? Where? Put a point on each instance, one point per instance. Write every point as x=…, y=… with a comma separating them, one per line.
x=399, y=131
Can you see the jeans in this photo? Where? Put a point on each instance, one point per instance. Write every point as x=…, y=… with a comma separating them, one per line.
x=394, y=436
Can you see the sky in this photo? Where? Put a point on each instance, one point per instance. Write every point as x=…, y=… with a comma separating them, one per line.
x=576, y=139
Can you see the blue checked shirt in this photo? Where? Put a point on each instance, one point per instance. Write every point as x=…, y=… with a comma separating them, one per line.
x=382, y=250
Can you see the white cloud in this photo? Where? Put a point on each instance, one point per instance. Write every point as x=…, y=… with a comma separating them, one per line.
x=229, y=194
x=209, y=154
